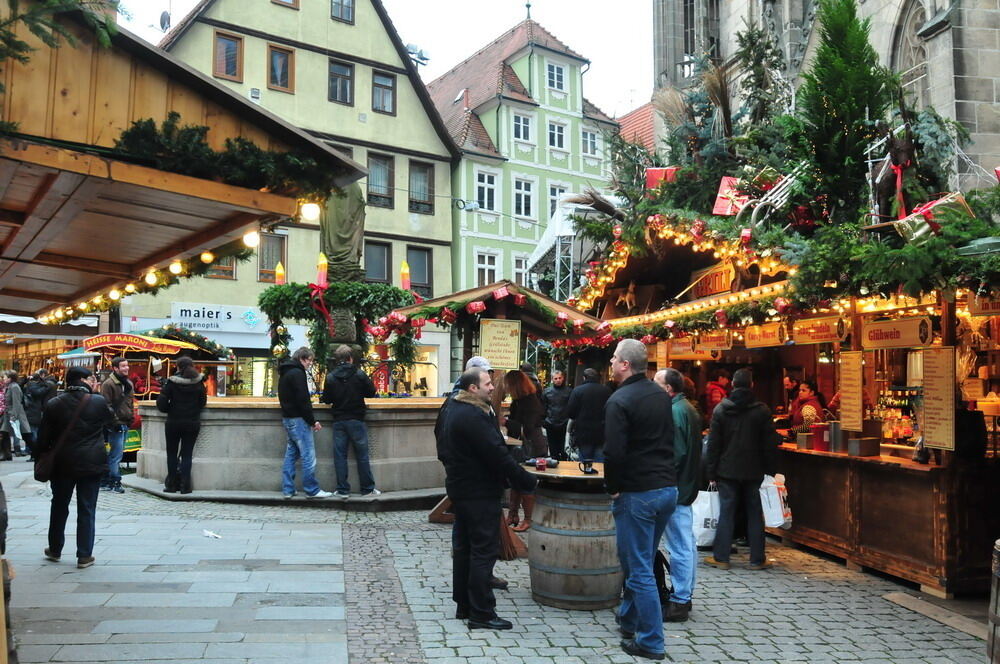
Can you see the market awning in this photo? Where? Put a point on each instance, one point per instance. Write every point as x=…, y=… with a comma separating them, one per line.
x=123, y=342
x=540, y=315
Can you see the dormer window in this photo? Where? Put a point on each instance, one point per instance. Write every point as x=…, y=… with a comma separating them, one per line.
x=556, y=77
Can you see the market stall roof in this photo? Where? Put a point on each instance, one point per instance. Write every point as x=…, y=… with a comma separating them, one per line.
x=76, y=354
x=76, y=219
x=125, y=342
x=539, y=314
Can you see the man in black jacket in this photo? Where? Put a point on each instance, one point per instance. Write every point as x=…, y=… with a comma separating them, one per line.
x=586, y=410
x=477, y=467
x=742, y=445
x=640, y=476
x=346, y=389
x=37, y=392
x=555, y=398
x=300, y=424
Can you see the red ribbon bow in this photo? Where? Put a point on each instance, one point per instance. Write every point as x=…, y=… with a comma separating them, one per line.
x=898, y=170
x=319, y=304
x=927, y=211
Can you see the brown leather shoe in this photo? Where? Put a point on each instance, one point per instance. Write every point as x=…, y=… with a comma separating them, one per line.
x=767, y=564
x=711, y=561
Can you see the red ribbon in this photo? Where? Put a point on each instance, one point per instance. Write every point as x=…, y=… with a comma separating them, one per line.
x=319, y=304
x=927, y=211
x=898, y=170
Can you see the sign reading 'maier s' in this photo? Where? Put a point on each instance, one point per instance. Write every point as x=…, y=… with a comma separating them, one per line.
x=899, y=333
x=762, y=336
x=819, y=330
x=218, y=317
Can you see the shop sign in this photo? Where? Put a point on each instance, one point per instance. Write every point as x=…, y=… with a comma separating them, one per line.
x=830, y=329
x=683, y=349
x=762, y=336
x=851, y=391
x=720, y=340
x=500, y=342
x=939, y=398
x=135, y=342
x=712, y=281
x=218, y=317
x=899, y=333
x=984, y=306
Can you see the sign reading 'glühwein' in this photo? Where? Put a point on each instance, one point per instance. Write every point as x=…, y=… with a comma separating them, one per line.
x=761, y=336
x=712, y=281
x=720, y=340
x=899, y=333
x=819, y=330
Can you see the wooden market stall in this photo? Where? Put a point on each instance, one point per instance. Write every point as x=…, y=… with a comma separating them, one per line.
x=869, y=494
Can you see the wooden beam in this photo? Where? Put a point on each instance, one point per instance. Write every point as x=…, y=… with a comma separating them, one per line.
x=102, y=268
x=29, y=295
x=118, y=171
x=195, y=244
x=11, y=218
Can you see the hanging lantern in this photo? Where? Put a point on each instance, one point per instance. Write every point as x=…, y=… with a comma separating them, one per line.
x=520, y=299
x=578, y=326
x=745, y=236
x=500, y=293
x=648, y=339
x=721, y=317
x=698, y=229
x=616, y=231
x=782, y=305
x=562, y=317
x=475, y=307
x=447, y=316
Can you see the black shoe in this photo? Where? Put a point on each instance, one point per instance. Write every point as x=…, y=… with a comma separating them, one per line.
x=185, y=485
x=117, y=488
x=495, y=623
x=54, y=557
x=462, y=613
x=629, y=646
x=676, y=612
x=171, y=484
x=498, y=583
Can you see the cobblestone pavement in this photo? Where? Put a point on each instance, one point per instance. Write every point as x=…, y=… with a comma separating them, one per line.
x=287, y=583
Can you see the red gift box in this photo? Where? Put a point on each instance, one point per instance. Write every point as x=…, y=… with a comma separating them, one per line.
x=997, y=171
x=475, y=307
x=728, y=201
x=657, y=176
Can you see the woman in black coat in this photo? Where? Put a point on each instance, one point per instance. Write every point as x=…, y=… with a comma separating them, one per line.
x=74, y=423
x=182, y=398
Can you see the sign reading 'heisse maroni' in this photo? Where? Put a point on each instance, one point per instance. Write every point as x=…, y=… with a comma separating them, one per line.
x=899, y=333
x=761, y=336
x=720, y=340
x=122, y=341
x=819, y=330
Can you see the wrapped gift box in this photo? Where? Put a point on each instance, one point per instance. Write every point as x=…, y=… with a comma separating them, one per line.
x=921, y=223
x=729, y=201
x=657, y=176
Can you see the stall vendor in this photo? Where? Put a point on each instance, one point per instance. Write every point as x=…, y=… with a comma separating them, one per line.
x=807, y=408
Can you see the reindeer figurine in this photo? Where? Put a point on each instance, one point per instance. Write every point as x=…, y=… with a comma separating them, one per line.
x=627, y=298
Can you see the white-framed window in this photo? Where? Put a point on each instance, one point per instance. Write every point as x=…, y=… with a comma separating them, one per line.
x=522, y=128
x=588, y=143
x=486, y=268
x=556, y=76
x=557, y=136
x=556, y=191
x=523, y=198
x=521, y=270
x=486, y=191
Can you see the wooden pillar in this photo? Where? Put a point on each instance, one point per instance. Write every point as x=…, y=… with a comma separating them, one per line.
x=948, y=322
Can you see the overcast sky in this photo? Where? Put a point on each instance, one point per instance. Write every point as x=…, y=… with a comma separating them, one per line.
x=619, y=43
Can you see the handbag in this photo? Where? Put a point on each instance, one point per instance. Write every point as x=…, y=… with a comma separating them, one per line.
x=47, y=460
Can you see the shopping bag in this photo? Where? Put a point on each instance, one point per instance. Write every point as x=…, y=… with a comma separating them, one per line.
x=774, y=502
x=705, y=515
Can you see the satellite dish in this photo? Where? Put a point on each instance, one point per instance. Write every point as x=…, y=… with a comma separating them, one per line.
x=165, y=21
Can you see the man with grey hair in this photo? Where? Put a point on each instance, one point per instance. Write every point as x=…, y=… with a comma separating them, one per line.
x=300, y=424
x=680, y=540
x=640, y=476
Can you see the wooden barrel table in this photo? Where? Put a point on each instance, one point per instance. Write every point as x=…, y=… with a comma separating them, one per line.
x=993, y=632
x=572, y=552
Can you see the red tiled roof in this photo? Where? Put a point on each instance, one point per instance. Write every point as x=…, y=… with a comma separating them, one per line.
x=638, y=126
x=485, y=75
x=591, y=111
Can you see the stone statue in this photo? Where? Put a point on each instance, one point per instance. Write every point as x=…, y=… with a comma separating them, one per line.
x=342, y=229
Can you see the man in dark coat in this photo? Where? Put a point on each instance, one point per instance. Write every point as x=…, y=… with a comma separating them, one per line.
x=75, y=422
x=555, y=398
x=742, y=448
x=37, y=392
x=119, y=392
x=681, y=543
x=640, y=476
x=477, y=468
x=586, y=409
x=346, y=389
x=300, y=424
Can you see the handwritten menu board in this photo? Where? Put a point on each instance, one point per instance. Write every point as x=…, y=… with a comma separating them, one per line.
x=939, y=398
x=500, y=342
x=851, y=391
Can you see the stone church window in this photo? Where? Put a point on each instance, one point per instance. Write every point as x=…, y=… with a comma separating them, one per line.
x=910, y=54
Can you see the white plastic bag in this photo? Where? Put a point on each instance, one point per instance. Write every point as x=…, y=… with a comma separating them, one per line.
x=705, y=517
x=774, y=503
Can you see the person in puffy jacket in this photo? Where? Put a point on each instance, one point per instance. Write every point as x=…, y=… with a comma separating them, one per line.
x=15, y=420
x=742, y=448
x=73, y=423
x=346, y=389
x=37, y=393
x=182, y=398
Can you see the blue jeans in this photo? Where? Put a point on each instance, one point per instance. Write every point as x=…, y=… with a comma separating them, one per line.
x=301, y=445
x=354, y=432
x=87, y=489
x=683, y=553
x=116, y=439
x=640, y=519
